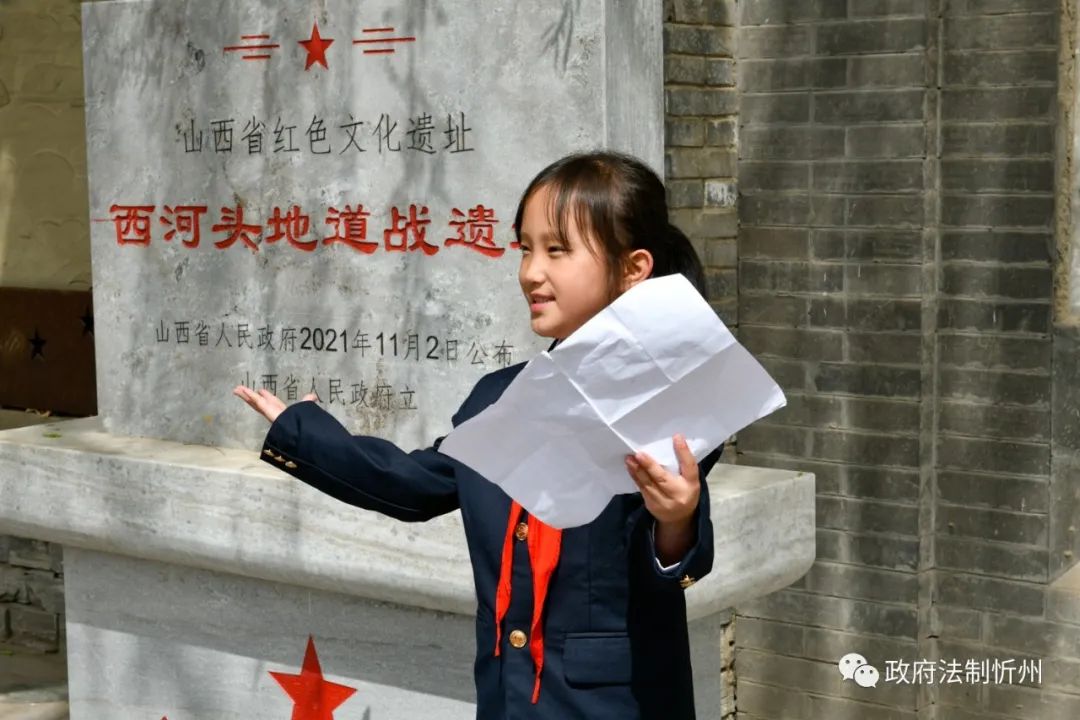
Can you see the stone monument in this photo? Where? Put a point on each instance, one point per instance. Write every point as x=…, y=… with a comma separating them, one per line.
x=320, y=197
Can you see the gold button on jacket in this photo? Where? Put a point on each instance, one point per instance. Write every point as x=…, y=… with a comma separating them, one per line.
x=521, y=531
x=518, y=639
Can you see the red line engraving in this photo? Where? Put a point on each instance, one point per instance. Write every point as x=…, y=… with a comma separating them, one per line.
x=384, y=40
x=233, y=48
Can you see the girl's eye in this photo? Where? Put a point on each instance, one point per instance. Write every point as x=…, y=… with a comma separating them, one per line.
x=556, y=248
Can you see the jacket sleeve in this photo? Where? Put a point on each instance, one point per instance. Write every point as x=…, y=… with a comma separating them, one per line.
x=310, y=444
x=698, y=560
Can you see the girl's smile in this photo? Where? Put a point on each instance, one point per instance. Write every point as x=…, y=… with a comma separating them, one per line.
x=539, y=302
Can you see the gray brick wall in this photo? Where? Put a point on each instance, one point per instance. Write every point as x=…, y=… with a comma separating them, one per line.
x=31, y=594
x=833, y=183
x=896, y=174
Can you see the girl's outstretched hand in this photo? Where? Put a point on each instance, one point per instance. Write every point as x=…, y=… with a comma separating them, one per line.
x=265, y=402
x=670, y=498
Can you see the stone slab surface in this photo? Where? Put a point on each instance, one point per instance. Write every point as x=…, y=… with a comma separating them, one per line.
x=221, y=509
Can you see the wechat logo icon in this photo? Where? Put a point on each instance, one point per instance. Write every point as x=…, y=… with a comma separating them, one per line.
x=853, y=666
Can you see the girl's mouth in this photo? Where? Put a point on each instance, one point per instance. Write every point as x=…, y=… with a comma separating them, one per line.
x=538, y=302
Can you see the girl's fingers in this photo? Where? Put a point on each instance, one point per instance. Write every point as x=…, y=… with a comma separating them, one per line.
x=656, y=471
x=647, y=483
x=260, y=401
x=688, y=467
x=657, y=475
x=245, y=394
x=270, y=400
x=655, y=500
x=637, y=473
x=649, y=490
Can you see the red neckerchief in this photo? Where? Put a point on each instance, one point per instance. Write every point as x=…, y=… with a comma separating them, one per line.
x=545, y=543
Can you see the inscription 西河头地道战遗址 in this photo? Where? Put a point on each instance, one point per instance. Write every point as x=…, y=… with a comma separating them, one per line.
x=473, y=228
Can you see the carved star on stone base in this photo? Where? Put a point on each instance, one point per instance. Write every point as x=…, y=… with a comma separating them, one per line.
x=314, y=696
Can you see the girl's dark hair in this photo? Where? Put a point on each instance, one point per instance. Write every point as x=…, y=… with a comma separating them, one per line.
x=620, y=203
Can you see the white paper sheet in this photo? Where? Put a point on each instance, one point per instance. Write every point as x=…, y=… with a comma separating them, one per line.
x=656, y=362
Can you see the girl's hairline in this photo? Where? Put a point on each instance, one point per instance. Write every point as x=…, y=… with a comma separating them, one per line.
x=574, y=211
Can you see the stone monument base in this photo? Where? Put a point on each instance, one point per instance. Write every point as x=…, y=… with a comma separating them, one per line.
x=149, y=639
x=196, y=577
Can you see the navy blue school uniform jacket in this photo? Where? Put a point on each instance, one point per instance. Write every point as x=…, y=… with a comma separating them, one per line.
x=614, y=630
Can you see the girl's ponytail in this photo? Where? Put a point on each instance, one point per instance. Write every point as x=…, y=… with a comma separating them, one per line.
x=683, y=258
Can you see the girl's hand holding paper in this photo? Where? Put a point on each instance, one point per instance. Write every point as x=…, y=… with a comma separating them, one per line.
x=670, y=497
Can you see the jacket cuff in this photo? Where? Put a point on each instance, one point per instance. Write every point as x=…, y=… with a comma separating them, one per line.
x=664, y=569
x=280, y=442
x=683, y=571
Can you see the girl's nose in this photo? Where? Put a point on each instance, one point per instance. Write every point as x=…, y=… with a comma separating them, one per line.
x=532, y=271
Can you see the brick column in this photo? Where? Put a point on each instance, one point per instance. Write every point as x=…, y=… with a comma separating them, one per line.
x=700, y=164
x=998, y=79
x=702, y=104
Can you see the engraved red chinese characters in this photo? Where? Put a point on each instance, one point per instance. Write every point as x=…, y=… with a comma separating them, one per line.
x=350, y=228
x=183, y=221
x=292, y=226
x=402, y=228
x=476, y=230
x=232, y=223
x=132, y=224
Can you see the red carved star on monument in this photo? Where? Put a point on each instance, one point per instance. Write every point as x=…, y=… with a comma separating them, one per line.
x=314, y=696
x=316, y=48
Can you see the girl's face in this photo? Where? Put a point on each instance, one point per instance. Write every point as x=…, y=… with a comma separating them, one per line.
x=565, y=285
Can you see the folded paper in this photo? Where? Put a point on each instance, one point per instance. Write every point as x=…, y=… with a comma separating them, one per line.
x=655, y=362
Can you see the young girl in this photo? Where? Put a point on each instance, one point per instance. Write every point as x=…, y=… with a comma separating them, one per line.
x=589, y=622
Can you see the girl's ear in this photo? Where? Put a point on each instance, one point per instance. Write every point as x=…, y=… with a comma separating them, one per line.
x=638, y=267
